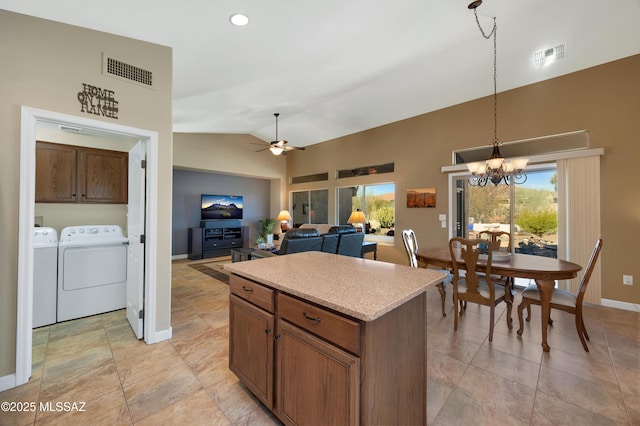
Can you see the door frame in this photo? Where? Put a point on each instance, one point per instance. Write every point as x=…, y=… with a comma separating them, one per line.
x=30, y=117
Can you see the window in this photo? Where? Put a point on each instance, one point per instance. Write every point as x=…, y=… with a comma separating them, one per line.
x=366, y=170
x=310, y=207
x=378, y=204
x=529, y=212
x=318, y=177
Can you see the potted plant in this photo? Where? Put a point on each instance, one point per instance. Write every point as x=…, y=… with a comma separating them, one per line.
x=266, y=229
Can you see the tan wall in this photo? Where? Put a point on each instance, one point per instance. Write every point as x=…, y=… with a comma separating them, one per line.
x=43, y=66
x=232, y=154
x=604, y=100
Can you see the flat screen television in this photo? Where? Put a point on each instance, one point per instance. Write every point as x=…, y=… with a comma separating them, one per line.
x=220, y=206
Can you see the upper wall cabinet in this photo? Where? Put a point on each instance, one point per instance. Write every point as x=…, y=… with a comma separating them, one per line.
x=75, y=174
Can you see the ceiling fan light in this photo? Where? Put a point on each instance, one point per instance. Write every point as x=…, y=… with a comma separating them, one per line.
x=276, y=150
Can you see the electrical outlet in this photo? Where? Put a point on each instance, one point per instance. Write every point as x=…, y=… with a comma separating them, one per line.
x=627, y=279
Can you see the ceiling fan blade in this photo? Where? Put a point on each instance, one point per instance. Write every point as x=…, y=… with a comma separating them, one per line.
x=263, y=149
x=294, y=148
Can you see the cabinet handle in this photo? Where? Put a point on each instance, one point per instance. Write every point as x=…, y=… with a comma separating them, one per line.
x=267, y=330
x=276, y=337
x=311, y=318
x=248, y=290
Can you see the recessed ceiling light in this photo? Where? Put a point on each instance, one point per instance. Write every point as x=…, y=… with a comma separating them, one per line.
x=239, y=19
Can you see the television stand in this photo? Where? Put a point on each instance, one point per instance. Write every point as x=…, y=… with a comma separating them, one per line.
x=215, y=238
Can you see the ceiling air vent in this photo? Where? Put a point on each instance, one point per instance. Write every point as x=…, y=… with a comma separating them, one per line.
x=124, y=71
x=544, y=57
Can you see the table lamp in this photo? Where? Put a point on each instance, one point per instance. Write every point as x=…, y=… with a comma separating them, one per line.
x=357, y=217
x=284, y=217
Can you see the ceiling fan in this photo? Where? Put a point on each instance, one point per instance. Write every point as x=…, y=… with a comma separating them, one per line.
x=278, y=147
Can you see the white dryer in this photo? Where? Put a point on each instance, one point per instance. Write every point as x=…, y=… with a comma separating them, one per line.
x=92, y=270
x=45, y=276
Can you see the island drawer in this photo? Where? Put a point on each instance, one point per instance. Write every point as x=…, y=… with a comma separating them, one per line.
x=252, y=292
x=337, y=329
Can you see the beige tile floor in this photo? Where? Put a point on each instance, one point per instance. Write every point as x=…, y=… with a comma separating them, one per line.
x=186, y=380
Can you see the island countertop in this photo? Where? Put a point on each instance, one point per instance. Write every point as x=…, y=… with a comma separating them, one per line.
x=361, y=288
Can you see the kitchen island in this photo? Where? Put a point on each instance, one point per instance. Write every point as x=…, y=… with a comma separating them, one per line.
x=328, y=339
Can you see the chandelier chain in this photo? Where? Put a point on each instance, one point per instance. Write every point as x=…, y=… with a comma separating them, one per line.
x=493, y=33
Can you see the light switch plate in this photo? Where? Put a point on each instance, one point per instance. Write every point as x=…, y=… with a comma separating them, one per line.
x=442, y=217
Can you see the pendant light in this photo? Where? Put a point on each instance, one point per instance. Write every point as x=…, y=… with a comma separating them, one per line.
x=495, y=169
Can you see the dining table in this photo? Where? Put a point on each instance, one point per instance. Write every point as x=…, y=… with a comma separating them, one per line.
x=544, y=270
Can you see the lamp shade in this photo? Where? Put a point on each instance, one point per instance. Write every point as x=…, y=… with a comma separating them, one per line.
x=284, y=216
x=357, y=217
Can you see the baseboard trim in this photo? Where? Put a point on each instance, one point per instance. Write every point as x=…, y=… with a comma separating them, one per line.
x=7, y=382
x=620, y=305
x=179, y=256
x=159, y=336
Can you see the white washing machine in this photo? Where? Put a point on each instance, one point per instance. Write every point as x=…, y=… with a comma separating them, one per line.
x=45, y=276
x=92, y=270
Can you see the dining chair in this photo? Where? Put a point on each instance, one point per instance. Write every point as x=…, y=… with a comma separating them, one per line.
x=496, y=239
x=563, y=300
x=473, y=286
x=411, y=245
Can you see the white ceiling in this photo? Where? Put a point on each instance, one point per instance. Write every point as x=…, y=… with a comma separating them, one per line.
x=336, y=67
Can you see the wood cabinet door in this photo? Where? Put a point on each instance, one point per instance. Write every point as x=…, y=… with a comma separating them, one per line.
x=103, y=176
x=55, y=173
x=317, y=383
x=251, y=348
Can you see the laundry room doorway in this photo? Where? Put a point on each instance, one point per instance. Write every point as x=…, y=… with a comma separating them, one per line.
x=141, y=221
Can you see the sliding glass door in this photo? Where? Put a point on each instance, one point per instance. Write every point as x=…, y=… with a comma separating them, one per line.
x=310, y=206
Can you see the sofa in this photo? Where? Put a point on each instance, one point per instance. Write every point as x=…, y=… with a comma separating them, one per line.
x=338, y=239
x=298, y=240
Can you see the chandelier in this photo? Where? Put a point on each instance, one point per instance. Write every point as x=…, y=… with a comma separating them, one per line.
x=495, y=169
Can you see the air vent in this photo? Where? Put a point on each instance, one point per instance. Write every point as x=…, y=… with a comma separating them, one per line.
x=544, y=57
x=124, y=71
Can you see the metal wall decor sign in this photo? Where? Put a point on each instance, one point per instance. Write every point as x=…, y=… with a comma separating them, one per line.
x=97, y=101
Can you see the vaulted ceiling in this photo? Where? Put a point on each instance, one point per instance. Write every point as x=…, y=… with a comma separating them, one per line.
x=336, y=67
